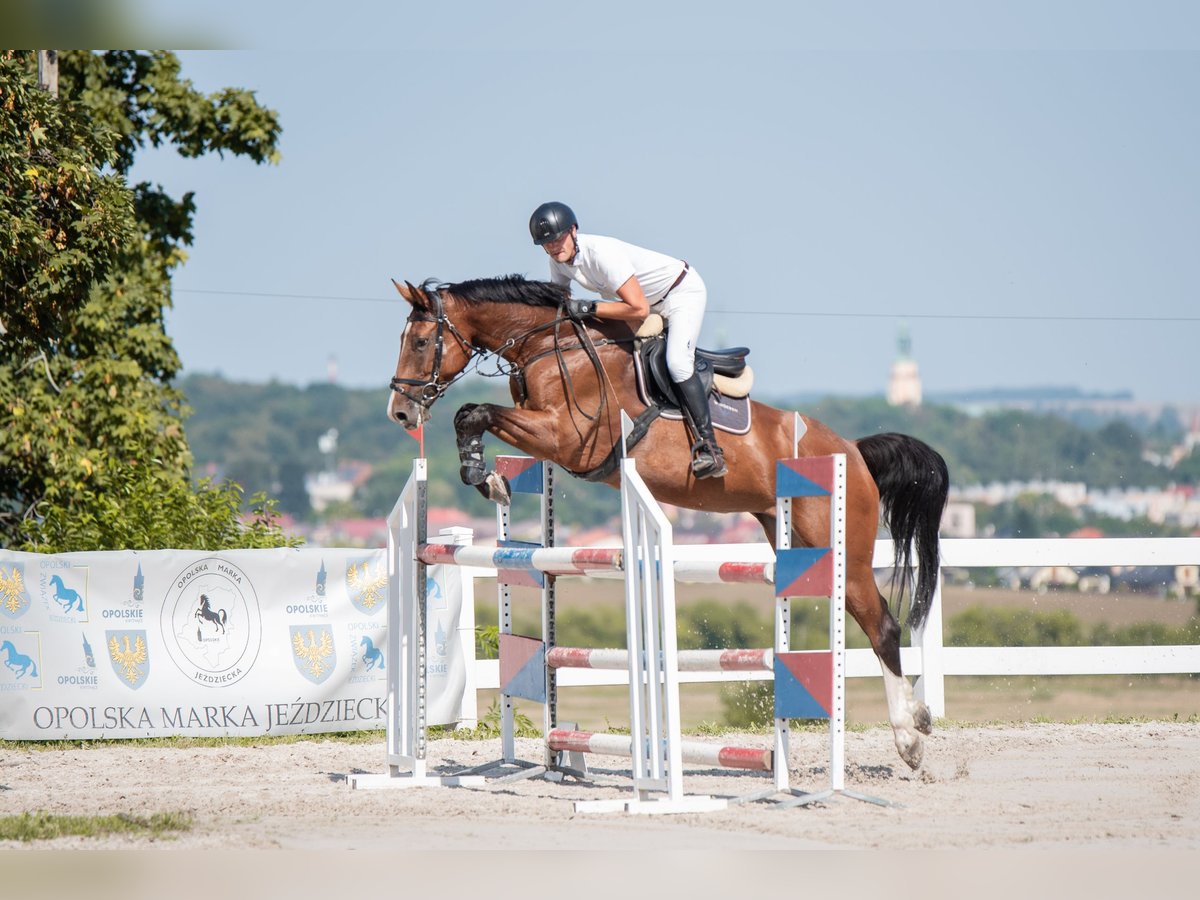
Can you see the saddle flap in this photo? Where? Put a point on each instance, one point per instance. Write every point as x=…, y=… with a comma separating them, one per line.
x=654, y=359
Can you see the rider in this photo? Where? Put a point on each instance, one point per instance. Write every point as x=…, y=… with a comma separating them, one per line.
x=642, y=281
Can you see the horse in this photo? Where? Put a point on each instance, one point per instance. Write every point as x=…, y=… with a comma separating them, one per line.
x=18, y=662
x=67, y=598
x=208, y=614
x=372, y=656
x=569, y=381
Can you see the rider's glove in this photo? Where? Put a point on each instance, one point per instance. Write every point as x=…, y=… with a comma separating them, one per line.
x=580, y=309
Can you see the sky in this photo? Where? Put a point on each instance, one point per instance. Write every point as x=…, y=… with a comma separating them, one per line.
x=1017, y=184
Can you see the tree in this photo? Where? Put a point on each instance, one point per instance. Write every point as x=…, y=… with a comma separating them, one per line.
x=93, y=453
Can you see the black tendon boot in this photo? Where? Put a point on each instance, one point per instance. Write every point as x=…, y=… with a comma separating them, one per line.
x=707, y=459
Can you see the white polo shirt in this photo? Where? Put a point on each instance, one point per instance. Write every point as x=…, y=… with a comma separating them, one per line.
x=603, y=264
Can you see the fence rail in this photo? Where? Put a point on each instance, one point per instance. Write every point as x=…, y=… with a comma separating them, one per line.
x=928, y=657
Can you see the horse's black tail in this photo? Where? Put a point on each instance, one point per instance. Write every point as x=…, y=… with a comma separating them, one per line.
x=913, y=483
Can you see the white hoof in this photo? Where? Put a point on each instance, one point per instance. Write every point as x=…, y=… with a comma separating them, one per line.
x=497, y=488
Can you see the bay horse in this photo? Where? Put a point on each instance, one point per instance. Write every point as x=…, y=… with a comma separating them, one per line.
x=570, y=380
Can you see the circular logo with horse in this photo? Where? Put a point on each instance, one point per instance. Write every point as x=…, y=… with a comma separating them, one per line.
x=211, y=622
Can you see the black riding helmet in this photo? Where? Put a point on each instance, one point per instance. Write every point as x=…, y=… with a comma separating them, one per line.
x=550, y=221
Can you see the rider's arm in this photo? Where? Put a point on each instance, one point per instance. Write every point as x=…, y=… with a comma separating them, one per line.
x=633, y=308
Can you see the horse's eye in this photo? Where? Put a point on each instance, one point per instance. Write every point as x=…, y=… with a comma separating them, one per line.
x=420, y=343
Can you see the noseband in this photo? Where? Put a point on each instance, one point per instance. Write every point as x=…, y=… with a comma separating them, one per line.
x=433, y=387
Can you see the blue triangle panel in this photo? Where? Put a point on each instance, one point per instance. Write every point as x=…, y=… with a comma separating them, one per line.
x=792, y=699
x=530, y=680
x=790, y=483
x=791, y=565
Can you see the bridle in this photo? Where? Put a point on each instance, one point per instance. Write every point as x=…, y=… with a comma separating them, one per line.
x=434, y=387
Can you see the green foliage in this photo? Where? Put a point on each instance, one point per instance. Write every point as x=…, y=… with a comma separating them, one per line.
x=62, y=222
x=140, y=507
x=487, y=642
x=252, y=432
x=979, y=626
x=44, y=826
x=92, y=450
x=1005, y=445
x=142, y=98
x=1030, y=515
x=709, y=624
x=256, y=433
x=489, y=725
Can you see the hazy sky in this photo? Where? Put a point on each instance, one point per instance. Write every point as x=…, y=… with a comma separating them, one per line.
x=1017, y=182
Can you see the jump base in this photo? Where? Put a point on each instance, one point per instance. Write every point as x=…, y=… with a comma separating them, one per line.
x=665, y=806
x=399, y=782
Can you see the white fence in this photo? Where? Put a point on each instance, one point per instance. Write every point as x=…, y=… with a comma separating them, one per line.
x=928, y=657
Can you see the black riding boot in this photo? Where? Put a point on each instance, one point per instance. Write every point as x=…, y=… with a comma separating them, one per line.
x=707, y=459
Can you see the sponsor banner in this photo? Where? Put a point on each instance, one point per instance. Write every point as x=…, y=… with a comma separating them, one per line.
x=239, y=642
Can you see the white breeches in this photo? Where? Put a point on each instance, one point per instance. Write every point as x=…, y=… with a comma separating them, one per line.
x=684, y=311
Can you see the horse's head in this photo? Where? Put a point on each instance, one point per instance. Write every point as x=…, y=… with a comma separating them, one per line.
x=433, y=352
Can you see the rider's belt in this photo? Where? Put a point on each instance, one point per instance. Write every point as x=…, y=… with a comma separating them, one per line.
x=675, y=283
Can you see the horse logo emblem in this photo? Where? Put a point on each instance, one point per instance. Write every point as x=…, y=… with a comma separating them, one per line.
x=22, y=665
x=367, y=585
x=372, y=656
x=313, y=651
x=206, y=613
x=434, y=598
x=68, y=598
x=211, y=622
x=129, y=655
x=14, y=599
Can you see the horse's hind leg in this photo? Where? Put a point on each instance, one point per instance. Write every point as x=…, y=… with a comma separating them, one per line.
x=909, y=717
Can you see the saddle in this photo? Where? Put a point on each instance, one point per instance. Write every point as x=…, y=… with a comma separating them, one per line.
x=725, y=374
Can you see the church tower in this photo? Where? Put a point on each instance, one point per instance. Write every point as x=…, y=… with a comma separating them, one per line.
x=904, y=385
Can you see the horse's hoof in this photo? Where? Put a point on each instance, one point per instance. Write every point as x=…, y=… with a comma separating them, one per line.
x=922, y=719
x=497, y=489
x=912, y=752
x=473, y=473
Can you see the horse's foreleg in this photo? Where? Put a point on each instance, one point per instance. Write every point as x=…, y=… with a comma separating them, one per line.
x=470, y=422
x=531, y=431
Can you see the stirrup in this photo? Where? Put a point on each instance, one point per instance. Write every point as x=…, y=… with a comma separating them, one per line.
x=708, y=461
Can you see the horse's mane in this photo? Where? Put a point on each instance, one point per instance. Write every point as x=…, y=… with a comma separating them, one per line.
x=508, y=289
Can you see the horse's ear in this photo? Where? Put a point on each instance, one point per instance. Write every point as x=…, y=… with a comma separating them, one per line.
x=412, y=294
x=407, y=291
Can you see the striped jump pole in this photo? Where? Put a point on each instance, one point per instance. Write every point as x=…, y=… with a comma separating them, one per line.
x=693, y=752
x=706, y=571
x=687, y=660
x=543, y=560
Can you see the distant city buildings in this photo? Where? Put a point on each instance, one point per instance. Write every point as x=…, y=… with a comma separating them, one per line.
x=1174, y=505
